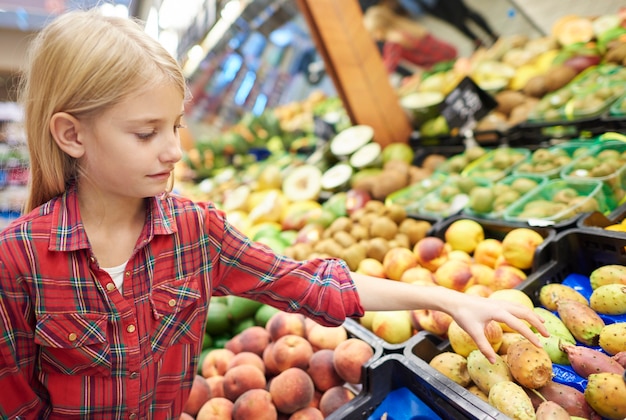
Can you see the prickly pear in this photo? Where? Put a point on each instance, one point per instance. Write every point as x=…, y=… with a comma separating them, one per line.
x=567, y=397
x=613, y=338
x=606, y=394
x=552, y=345
x=609, y=299
x=478, y=392
x=511, y=399
x=530, y=365
x=550, y=293
x=549, y=410
x=484, y=374
x=620, y=358
x=554, y=325
x=582, y=321
x=608, y=274
x=453, y=366
x=585, y=360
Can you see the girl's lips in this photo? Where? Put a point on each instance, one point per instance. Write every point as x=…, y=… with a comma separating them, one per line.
x=161, y=175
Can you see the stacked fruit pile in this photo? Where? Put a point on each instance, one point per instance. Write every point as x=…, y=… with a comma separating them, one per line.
x=292, y=366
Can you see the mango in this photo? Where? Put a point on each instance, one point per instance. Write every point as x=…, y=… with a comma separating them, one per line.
x=511, y=399
x=582, y=321
x=609, y=299
x=608, y=274
x=613, y=338
x=484, y=374
x=606, y=394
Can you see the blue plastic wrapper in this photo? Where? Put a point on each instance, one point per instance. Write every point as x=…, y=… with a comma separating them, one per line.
x=564, y=374
x=402, y=404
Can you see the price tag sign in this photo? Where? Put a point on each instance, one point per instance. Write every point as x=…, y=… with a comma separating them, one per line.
x=323, y=129
x=466, y=104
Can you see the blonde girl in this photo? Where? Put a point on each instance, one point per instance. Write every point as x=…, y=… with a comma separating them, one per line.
x=106, y=279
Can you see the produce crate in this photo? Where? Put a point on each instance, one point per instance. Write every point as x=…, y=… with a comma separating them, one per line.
x=598, y=221
x=408, y=389
x=497, y=229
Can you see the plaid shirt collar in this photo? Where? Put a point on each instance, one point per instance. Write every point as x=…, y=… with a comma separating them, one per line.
x=69, y=233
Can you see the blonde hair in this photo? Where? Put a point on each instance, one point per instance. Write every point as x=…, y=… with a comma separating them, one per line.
x=83, y=63
x=381, y=20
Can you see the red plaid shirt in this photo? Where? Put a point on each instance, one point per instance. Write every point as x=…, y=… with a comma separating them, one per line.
x=73, y=347
x=423, y=52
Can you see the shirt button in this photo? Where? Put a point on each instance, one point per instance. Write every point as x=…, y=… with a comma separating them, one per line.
x=134, y=375
x=130, y=328
x=72, y=336
x=92, y=259
x=172, y=302
x=132, y=416
x=127, y=274
x=110, y=287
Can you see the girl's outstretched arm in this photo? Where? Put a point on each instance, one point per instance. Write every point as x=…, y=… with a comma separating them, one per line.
x=472, y=313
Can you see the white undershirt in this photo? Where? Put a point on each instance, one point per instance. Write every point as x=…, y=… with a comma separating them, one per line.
x=117, y=274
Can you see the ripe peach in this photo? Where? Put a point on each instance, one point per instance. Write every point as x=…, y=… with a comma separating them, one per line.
x=247, y=358
x=463, y=344
x=268, y=360
x=334, y=398
x=464, y=234
x=284, y=323
x=519, y=246
x=255, y=404
x=436, y=322
x=415, y=274
x=322, y=337
x=431, y=252
x=349, y=358
x=487, y=252
x=322, y=370
x=307, y=413
x=457, y=254
x=454, y=274
x=292, y=351
x=216, y=362
x=371, y=267
x=185, y=416
x=242, y=378
x=217, y=408
x=291, y=390
x=397, y=260
x=483, y=274
x=479, y=290
x=253, y=339
x=216, y=383
x=199, y=394
x=507, y=277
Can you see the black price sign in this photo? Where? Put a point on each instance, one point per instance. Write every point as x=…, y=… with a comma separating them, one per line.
x=467, y=103
x=323, y=129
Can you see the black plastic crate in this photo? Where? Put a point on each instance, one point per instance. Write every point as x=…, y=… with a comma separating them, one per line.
x=395, y=371
x=497, y=229
x=577, y=251
x=598, y=221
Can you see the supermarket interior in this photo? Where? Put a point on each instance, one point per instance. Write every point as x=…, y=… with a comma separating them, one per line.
x=473, y=146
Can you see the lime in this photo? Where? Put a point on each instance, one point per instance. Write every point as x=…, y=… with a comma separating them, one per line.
x=240, y=308
x=264, y=313
x=243, y=325
x=218, y=320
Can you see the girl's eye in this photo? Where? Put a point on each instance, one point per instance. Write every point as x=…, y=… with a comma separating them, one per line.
x=179, y=126
x=145, y=136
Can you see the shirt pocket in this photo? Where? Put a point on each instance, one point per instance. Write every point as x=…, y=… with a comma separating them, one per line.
x=73, y=344
x=177, y=311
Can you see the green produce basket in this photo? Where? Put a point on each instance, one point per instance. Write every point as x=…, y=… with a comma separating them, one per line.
x=497, y=163
x=451, y=197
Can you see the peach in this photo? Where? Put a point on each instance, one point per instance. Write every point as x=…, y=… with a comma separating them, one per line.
x=349, y=358
x=507, y=277
x=284, y=323
x=519, y=246
x=247, y=358
x=464, y=235
x=268, y=360
x=309, y=323
x=322, y=370
x=242, y=378
x=454, y=274
x=463, y=344
x=307, y=413
x=255, y=404
x=478, y=290
x=512, y=295
x=416, y=316
x=392, y=326
x=487, y=252
x=415, y=274
x=436, y=322
x=217, y=408
x=371, y=267
x=199, y=394
x=185, y=416
x=322, y=337
x=431, y=252
x=457, y=254
x=483, y=274
x=216, y=362
x=291, y=390
x=334, y=398
x=292, y=351
x=397, y=260
x=316, y=399
x=253, y=339
x=216, y=383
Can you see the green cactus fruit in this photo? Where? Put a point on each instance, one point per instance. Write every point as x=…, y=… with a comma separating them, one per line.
x=511, y=399
x=552, y=346
x=608, y=274
x=582, y=321
x=484, y=374
x=606, y=394
x=609, y=299
x=554, y=325
x=613, y=338
x=549, y=294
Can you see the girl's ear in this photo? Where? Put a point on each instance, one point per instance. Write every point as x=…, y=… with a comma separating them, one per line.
x=64, y=128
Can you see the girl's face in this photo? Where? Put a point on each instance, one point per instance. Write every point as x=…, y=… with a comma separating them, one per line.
x=131, y=149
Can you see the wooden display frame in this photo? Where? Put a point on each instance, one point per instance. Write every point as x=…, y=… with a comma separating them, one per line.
x=353, y=62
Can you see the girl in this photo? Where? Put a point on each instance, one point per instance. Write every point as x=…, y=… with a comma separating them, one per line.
x=106, y=280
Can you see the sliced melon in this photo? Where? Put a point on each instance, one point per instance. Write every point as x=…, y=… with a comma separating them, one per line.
x=303, y=183
x=351, y=139
x=337, y=178
x=368, y=156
